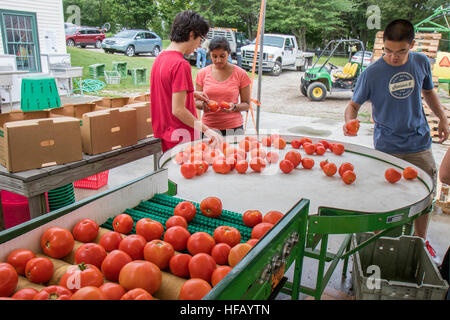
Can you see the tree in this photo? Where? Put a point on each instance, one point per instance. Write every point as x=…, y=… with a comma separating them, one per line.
x=132, y=14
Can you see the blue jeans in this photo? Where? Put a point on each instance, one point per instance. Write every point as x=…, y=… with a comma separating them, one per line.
x=201, y=58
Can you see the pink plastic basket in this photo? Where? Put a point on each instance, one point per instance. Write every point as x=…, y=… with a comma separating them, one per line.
x=93, y=182
x=15, y=208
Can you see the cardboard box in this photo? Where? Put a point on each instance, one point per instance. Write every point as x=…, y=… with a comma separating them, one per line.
x=112, y=102
x=76, y=110
x=143, y=119
x=108, y=129
x=38, y=143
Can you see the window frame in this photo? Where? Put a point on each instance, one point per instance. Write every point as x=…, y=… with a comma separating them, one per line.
x=35, y=33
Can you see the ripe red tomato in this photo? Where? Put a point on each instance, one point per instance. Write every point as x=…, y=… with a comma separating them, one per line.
x=137, y=294
x=26, y=294
x=323, y=164
x=90, y=253
x=252, y=242
x=286, y=166
x=133, y=245
x=237, y=253
x=176, y=221
x=185, y=209
x=188, y=170
x=85, y=230
x=241, y=166
x=219, y=274
x=110, y=240
x=200, y=167
x=202, y=266
x=344, y=167
x=260, y=230
x=123, y=223
x=228, y=235
x=225, y=105
x=330, y=169
x=113, y=263
x=8, y=279
x=325, y=144
x=57, y=242
x=220, y=253
x=272, y=157
x=159, y=252
x=307, y=163
x=266, y=141
x=293, y=156
x=194, y=289
x=320, y=150
x=53, y=293
x=211, y=207
x=221, y=165
x=337, y=148
x=272, y=217
x=39, y=270
x=296, y=143
x=348, y=177
x=112, y=291
x=180, y=157
x=200, y=242
x=18, y=259
x=179, y=265
x=251, y=218
x=88, y=293
x=309, y=148
x=150, y=229
x=213, y=106
x=80, y=276
x=352, y=127
x=257, y=164
x=177, y=236
x=141, y=274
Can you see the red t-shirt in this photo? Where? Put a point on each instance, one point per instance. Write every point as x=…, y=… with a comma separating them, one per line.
x=170, y=73
x=228, y=91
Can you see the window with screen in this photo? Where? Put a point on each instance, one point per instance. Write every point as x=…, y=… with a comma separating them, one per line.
x=20, y=38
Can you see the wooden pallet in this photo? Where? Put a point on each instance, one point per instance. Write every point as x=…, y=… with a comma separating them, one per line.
x=433, y=122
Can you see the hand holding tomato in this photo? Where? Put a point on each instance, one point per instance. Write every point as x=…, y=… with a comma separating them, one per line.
x=351, y=127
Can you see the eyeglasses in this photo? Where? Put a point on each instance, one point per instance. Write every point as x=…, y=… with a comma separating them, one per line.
x=398, y=53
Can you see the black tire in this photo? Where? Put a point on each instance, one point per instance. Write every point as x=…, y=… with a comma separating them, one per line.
x=98, y=44
x=107, y=51
x=83, y=46
x=156, y=51
x=317, y=91
x=303, y=90
x=277, y=69
x=130, y=51
x=70, y=43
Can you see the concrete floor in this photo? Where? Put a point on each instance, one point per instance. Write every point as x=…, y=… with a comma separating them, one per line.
x=439, y=227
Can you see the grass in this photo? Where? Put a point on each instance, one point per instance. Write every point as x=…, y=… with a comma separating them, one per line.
x=338, y=61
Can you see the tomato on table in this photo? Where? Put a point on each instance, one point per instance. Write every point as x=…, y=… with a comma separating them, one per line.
x=54, y=293
x=141, y=274
x=113, y=263
x=176, y=221
x=150, y=229
x=211, y=207
x=133, y=245
x=200, y=242
x=85, y=230
x=159, y=252
x=57, y=242
x=179, y=265
x=251, y=218
x=80, y=276
x=220, y=253
x=219, y=274
x=194, y=289
x=39, y=270
x=202, y=266
x=228, y=235
x=177, y=236
x=18, y=259
x=90, y=253
x=110, y=240
x=25, y=294
x=8, y=279
x=186, y=210
x=112, y=291
x=137, y=294
x=89, y=293
x=123, y=223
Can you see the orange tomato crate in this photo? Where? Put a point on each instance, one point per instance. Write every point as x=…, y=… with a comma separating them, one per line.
x=93, y=182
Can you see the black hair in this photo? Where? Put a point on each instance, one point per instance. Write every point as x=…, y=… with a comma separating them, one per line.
x=399, y=30
x=219, y=43
x=185, y=22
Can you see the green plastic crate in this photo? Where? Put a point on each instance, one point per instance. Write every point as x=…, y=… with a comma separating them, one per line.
x=39, y=93
x=139, y=76
x=96, y=70
x=407, y=271
x=121, y=67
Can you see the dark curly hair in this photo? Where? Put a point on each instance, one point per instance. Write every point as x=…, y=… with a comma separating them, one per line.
x=219, y=42
x=185, y=22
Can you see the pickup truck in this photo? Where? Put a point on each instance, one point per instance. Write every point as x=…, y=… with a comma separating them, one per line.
x=279, y=52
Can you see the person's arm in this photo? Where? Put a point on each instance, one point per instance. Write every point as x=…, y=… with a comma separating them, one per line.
x=184, y=115
x=351, y=112
x=244, y=105
x=432, y=100
x=444, y=169
x=200, y=104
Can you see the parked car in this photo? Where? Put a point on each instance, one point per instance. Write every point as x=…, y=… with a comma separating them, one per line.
x=367, y=57
x=133, y=42
x=84, y=36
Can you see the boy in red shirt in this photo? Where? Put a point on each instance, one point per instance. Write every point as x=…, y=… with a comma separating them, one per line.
x=174, y=116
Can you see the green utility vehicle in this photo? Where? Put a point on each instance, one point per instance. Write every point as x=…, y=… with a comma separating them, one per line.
x=318, y=80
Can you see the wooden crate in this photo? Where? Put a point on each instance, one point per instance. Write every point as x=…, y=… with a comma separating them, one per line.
x=433, y=122
x=442, y=197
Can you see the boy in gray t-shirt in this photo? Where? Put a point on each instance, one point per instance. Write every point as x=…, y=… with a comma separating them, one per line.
x=394, y=84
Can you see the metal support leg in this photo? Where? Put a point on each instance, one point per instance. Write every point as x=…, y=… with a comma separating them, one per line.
x=321, y=268
x=300, y=256
x=156, y=157
x=344, y=269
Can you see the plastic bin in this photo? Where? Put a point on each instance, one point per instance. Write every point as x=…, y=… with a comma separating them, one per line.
x=15, y=208
x=39, y=93
x=407, y=271
x=93, y=182
x=96, y=70
x=139, y=76
x=121, y=67
x=112, y=77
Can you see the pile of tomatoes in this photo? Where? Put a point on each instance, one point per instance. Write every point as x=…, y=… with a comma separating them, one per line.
x=251, y=153
x=121, y=266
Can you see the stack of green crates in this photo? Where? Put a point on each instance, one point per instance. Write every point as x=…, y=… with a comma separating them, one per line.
x=96, y=70
x=121, y=67
x=61, y=197
x=139, y=76
x=39, y=93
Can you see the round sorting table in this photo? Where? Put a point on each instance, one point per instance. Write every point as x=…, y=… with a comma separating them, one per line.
x=274, y=190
